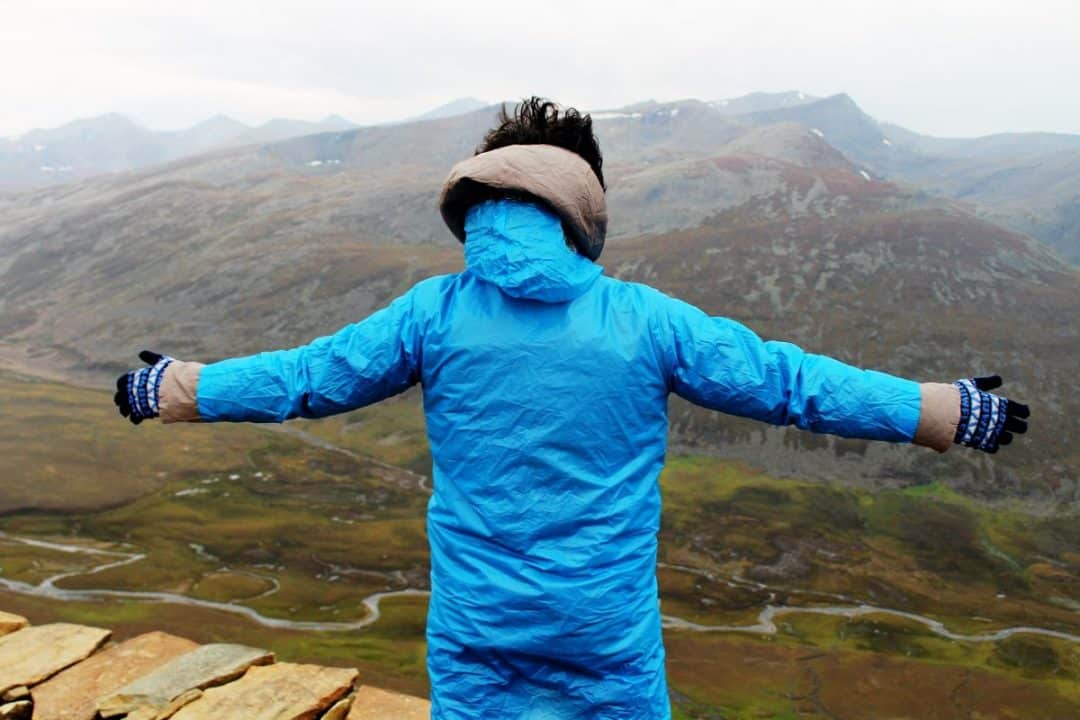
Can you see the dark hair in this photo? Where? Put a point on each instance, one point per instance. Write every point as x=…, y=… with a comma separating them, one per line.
x=537, y=121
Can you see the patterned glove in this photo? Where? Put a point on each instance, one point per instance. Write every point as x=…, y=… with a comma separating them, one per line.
x=987, y=421
x=137, y=390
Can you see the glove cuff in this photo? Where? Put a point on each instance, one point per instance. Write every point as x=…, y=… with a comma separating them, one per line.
x=982, y=417
x=144, y=385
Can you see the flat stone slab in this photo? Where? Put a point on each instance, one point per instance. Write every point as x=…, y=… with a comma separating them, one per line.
x=73, y=694
x=285, y=691
x=375, y=704
x=9, y=623
x=180, y=680
x=35, y=653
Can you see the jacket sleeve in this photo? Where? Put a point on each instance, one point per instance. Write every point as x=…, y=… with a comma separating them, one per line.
x=720, y=364
x=359, y=365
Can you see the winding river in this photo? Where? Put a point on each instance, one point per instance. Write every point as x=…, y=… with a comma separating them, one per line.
x=47, y=588
x=765, y=625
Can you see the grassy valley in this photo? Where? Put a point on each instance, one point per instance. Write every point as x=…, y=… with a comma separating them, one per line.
x=256, y=519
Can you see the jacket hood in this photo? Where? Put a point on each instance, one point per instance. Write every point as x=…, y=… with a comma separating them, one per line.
x=521, y=248
x=558, y=177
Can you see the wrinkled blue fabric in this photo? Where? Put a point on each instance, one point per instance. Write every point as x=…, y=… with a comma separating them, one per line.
x=519, y=250
x=545, y=387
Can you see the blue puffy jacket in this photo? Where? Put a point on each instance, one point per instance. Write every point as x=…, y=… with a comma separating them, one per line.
x=545, y=388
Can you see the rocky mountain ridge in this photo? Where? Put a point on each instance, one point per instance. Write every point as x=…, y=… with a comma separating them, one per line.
x=769, y=223
x=1029, y=182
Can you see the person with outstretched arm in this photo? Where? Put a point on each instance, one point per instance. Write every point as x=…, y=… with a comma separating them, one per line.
x=545, y=388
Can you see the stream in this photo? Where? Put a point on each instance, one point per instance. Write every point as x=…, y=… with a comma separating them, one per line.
x=47, y=588
x=765, y=625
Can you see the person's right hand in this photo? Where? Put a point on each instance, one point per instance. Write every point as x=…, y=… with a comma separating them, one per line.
x=137, y=390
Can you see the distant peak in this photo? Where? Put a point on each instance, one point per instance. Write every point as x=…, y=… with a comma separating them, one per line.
x=283, y=122
x=461, y=106
x=464, y=102
x=336, y=120
x=112, y=118
x=763, y=101
x=841, y=99
x=109, y=123
x=219, y=120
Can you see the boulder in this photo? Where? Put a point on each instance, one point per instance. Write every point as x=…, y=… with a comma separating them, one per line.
x=73, y=693
x=178, y=681
x=374, y=704
x=285, y=691
x=35, y=653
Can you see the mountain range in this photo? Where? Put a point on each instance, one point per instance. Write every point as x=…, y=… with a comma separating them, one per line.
x=115, y=143
x=799, y=216
x=1029, y=182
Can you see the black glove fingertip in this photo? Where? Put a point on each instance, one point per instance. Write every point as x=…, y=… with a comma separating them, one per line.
x=1016, y=425
x=149, y=357
x=988, y=382
x=1018, y=409
x=1005, y=438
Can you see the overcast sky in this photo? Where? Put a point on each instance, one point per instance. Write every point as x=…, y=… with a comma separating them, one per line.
x=948, y=67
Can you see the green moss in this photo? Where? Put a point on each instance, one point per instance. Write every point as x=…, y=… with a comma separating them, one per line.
x=1032, y=655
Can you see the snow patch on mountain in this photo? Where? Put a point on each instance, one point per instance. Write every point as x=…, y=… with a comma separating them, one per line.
x=614, y=115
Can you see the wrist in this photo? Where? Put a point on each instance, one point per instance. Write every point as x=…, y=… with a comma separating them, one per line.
x=982, y=417
x=939, y=415
x=179, y=392
x=143, y=386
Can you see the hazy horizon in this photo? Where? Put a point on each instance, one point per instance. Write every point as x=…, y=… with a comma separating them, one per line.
x=416, y=116
x=954, y=68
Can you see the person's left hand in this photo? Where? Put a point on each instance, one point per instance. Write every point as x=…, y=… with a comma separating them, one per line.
x=137, y=390
x=988, y=421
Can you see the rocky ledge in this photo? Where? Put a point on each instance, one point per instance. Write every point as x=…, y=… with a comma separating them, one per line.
x=62, y=671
